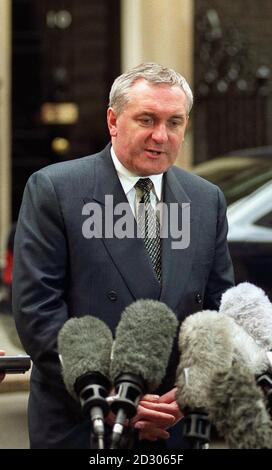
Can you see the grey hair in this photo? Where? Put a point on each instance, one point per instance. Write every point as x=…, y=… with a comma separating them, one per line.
x=152, y=73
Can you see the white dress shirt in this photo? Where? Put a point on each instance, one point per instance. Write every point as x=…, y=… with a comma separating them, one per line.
x=128, y=181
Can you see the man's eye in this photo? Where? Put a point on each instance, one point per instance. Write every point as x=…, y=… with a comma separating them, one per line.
x=175, y=123
x=146, y=121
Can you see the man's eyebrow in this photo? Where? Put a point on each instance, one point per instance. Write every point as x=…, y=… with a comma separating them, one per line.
x=178, y=116
x=150, y=113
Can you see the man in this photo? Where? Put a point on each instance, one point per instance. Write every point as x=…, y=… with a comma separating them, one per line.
x=59, y=272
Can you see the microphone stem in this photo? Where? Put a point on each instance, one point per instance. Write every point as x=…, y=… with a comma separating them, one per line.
x=101, y=442
x=118, y=428
x=98, y=426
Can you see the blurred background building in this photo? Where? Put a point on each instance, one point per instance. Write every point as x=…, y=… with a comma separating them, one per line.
x=232, y=76
x=58, y=59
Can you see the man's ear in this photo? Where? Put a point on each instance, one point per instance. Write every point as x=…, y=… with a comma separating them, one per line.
x=111, y=119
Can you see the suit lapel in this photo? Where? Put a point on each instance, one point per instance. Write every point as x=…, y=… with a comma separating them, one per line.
x=177, y=263
x=128, y=254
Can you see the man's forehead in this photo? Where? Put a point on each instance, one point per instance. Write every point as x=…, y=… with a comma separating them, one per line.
x=149, y=97
x=142, y=84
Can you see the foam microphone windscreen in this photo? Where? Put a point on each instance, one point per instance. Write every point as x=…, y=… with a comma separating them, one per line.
x=205, y=347
x=249, y=306
x=246, y=350
x=84, y=344
x=143, y=343
x=238, y=410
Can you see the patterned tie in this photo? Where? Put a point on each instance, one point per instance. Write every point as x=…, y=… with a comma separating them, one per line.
x=149, y=225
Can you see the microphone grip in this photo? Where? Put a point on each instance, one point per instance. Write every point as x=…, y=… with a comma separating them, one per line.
x=97, y=418
x=130, y=389
x=197, y=427
x=92, y=389
x=118, y=428
x=265, y=382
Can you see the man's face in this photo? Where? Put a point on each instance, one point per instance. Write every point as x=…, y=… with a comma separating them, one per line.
x=148, y=133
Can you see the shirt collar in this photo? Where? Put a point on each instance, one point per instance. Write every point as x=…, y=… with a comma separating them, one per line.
x=129, y=179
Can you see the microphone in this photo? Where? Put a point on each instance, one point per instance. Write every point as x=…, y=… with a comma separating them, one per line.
x=249, y=306
x=246, y=350
x=238, y=410
x=217, y=338
x=84, y=346
x=141, y=351
x=213, y=378
x=205, y=348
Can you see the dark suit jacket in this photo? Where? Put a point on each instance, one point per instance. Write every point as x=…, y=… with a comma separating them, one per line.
x=58, y=274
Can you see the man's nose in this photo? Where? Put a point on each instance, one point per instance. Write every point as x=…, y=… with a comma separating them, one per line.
x=160, y=134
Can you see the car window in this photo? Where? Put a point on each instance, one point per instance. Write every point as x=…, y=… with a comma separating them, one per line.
x=246, y=183
x=236, y=176
x=265, y=221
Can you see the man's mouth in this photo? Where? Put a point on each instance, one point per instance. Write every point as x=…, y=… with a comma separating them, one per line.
x=156, y=153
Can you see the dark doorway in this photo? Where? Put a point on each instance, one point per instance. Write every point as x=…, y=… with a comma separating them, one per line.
x=66, y=54
x=232, y=76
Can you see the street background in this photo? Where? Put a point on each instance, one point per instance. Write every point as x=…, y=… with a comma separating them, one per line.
x=13, y=392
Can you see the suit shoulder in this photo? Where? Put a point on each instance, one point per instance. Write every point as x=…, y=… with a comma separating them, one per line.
x=69, y=171
x=71, y=167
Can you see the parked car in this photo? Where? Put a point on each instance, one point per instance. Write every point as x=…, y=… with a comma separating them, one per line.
x=245, y=177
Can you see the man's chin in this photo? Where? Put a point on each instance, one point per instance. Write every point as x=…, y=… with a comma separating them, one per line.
x=154, y=166
x=154, y=169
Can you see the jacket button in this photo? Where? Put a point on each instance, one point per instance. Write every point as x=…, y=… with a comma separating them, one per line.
x=198, y=298
x=112, y=295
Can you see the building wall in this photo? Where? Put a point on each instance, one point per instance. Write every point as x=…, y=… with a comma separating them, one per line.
x=170, y=32
x=5, y=162
x=160, y=31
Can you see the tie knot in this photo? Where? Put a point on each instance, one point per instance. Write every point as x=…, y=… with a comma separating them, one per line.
x=145, y=185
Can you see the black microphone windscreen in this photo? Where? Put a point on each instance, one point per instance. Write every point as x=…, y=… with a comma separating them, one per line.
x=144, y=340
x=84, y=344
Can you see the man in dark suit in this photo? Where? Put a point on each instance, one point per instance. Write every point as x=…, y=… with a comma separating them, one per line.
x=59, y=271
